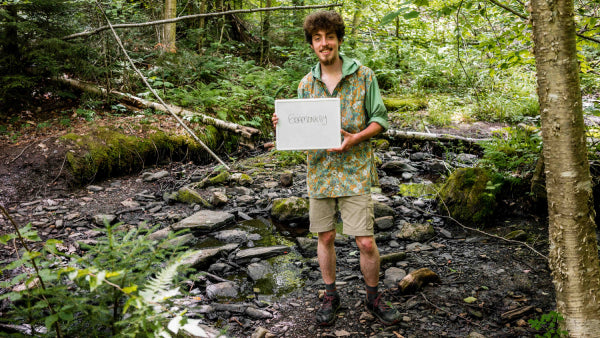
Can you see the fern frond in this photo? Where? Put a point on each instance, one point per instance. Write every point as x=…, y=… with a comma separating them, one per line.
x=158, y=289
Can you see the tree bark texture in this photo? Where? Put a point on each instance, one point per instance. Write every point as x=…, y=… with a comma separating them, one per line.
x=169, y=30
x=573, y=256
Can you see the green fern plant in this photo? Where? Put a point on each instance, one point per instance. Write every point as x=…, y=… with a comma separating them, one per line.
x=110, y=290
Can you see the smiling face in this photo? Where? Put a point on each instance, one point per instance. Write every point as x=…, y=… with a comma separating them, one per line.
x=326, y=46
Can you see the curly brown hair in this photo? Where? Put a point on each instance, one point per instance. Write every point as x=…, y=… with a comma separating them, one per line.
x=330, y=21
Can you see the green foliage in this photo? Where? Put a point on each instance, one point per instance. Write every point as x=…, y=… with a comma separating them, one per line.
x=110, y=290
x=513, y=150
x=549, y=324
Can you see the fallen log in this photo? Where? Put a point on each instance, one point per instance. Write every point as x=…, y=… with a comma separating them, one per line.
x=415, y=280
x=247, y=132
x=413, y=135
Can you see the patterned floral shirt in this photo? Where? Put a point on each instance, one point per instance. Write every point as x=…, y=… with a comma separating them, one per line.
x=352, y=172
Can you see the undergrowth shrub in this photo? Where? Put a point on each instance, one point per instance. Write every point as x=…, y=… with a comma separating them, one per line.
x=109, y=290
x=513, y=150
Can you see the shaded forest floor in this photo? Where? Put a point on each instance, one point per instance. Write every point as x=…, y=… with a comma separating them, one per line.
x=501, y=276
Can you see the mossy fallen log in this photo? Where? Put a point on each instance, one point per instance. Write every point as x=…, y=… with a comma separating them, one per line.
x=106, y=152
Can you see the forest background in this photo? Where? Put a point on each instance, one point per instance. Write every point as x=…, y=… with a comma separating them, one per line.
x=464, y=61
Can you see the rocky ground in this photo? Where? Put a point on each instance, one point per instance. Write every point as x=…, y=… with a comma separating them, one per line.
x=487, y=286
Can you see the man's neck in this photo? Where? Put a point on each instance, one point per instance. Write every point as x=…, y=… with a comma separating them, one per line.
x=332, y=69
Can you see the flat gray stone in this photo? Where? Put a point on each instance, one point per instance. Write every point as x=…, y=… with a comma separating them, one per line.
x=223, y=289
x=100, y=218
x=202, y=257
x=204, y=221
x=232, y=236
x=263, y=252
x=258, y=271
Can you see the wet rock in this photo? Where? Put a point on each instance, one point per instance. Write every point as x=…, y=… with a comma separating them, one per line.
x=270, y=184
x=517, y=235
x=221, y=178
x=258, y=313
x=468, y=196
x=245, y=199
x=392, y=257
x=290, y=209
x=259, y=270
x=202, y=257
x=232, y=236
x=241, y=179
x=186, y=239
x=240, y=191
x=308, y=246
x=416, y=232
x=384, y=223
x=99, y=219
x=151, y=177
x=204, y=221
x=420, y=156
x=191, y=196
x=262, y=253
x=94, y=188
x=436, y=167
x=466, y=158
x=418, y=247
x=389, y=183
x=445, y=233
x=381, y=210
x=394, y=275
x=223, y=289
x=219, y=198
x=398, y=167
x=286, y=179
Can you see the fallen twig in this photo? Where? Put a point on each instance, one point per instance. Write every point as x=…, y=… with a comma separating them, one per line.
x=25, y=148
x=448, y=312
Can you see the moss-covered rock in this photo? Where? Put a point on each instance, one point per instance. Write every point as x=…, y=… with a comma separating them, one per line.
x=191, y=196
x=381, y=144
x=405, y=103
x=290, y=209
x=221, y=178
x=469, y=195
x=241, y=179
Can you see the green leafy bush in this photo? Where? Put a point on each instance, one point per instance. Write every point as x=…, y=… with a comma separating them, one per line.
x=549, y=324
x=513, y=150
x=110, y=290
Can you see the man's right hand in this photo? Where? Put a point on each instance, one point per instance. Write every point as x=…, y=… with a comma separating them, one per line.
x=275, y=119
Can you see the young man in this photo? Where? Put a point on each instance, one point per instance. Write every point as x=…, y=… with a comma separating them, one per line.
x=342, y=177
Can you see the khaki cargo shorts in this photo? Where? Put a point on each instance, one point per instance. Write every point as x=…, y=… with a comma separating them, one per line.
x=356, y=212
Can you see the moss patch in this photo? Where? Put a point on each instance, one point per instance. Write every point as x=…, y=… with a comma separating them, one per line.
x=405, y=103
x=290, y=209
x=106, y=152
x=469, y=195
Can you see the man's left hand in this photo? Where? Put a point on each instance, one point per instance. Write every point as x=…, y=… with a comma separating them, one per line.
x=349, y=141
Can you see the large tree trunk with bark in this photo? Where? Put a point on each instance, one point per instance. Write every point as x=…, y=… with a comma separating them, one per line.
x=573, y=256
x=169, y=30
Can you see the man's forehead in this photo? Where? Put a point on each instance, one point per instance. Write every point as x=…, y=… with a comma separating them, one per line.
x=324, y=31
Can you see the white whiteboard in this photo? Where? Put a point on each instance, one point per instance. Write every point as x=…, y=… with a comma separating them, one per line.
x=308, y=124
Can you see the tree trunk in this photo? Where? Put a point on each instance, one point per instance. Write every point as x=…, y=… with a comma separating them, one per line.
x=169, y=36
x=264, y=34
x=202, y=25
x=573, y=256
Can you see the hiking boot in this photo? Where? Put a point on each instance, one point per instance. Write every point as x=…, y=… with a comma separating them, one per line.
x=386, y=314
x=326, y=314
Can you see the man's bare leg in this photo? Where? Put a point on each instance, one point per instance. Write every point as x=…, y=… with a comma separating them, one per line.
x=326, y=256
x=369, y=259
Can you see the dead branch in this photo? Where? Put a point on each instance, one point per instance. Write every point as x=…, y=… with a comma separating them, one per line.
x=244, y=131
x=413, y=135
x=193, y=16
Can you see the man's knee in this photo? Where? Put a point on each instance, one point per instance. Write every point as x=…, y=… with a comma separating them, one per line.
x=366, y=244
x=327, y=237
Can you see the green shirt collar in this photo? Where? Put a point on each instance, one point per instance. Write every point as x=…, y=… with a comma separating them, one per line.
x=349, y=66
